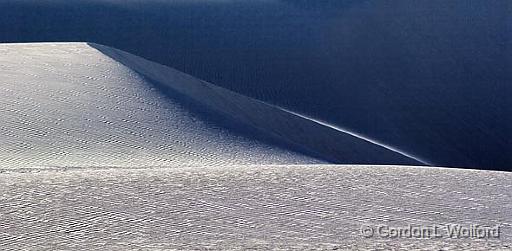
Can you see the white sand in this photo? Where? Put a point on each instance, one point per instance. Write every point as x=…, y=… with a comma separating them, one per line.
x=101, y=150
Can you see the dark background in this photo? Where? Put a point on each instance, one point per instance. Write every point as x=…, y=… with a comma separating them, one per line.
x=430, y=77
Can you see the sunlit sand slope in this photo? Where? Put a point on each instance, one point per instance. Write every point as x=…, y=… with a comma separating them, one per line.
x=238, y=208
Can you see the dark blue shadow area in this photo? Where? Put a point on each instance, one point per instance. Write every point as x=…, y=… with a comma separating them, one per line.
x=432, y=77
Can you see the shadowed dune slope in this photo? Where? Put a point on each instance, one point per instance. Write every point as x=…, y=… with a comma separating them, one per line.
x=68, y=104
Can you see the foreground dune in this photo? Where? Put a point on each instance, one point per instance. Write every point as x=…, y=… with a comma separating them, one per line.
x=238, y=208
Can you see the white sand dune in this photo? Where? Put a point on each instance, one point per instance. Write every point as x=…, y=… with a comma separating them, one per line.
x=70, y=105
x=101, y=149
x=74, y=104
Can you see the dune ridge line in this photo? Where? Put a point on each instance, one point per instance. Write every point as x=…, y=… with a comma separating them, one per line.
x=314, y=135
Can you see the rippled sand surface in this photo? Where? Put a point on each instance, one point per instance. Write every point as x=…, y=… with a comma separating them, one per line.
x=315, y=207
